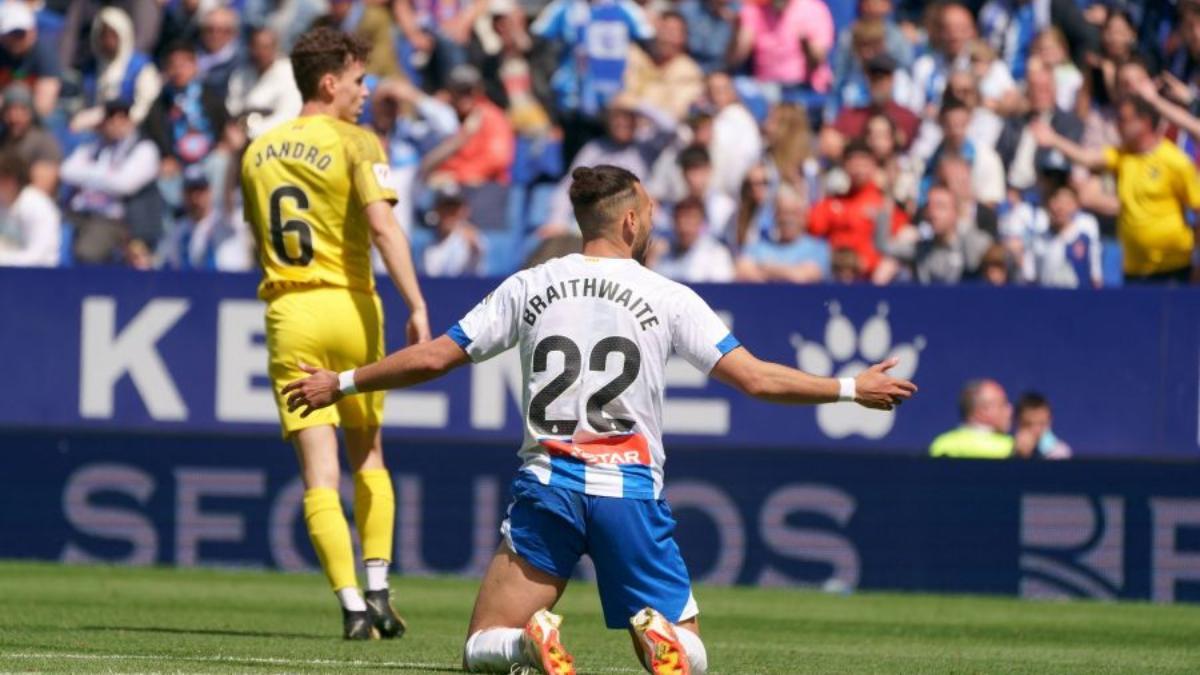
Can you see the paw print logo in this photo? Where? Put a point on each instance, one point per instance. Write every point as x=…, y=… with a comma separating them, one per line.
x=847, y=351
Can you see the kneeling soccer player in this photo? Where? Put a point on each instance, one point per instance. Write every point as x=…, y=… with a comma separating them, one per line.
x=594, y=331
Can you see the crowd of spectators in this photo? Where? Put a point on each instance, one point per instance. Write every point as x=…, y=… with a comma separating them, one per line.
x=1040, y=142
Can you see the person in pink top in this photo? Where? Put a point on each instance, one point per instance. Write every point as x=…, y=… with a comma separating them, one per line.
x=790, y=41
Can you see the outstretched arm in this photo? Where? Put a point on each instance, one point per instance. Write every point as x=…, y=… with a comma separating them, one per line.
x=1177, y=115
x=873, y=388
x=1045, y=136
x=408, y=367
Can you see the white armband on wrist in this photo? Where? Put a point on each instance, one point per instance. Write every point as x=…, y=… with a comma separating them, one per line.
x=847, y=391
x=346, y=383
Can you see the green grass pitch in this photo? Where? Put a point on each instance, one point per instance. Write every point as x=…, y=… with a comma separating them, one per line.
x=101, y=619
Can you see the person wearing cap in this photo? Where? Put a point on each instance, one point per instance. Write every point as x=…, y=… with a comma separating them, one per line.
x=203, y=238
x=119, y=71
x=851, y=122
x=114, y=197
x=896, y=44
x=851, y=86
x=458, y=250
x=25, y=137
x=483, y=148
x=24, y=58
x=31, y=228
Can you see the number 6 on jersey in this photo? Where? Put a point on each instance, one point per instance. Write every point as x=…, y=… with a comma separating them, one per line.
x=301, y=230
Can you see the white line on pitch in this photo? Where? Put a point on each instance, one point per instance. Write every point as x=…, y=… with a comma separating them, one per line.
x=264, y=660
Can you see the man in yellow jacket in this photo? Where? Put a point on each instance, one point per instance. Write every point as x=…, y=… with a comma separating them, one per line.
x=986, y=419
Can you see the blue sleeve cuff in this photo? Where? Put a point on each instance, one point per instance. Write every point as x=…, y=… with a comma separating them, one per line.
x=459, y=336
x=728, y=344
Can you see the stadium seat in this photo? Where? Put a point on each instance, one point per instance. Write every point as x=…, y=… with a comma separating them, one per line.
x=404, y=51
x=1111, y=263
x=66, y=245
x=537, y=159
x=752, y=97
x=843, y=14
x=489, y=205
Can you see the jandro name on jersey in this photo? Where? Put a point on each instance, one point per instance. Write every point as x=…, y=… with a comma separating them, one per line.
x=288, y=150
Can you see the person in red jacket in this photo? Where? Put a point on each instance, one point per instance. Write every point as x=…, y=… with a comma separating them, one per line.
x=863, y=215
x=483, y=149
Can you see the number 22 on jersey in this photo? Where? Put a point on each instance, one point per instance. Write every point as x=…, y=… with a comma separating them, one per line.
x=572, y=368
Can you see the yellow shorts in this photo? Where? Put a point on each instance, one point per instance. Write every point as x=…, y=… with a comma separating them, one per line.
x=332, y=328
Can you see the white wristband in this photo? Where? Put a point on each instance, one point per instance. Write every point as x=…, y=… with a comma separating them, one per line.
x=846, y=389
x=346, y=383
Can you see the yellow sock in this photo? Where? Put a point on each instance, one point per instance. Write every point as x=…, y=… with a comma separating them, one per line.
x=330, y=536
x=375, y=512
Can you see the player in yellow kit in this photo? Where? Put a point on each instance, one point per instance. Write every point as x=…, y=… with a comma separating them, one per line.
x=317, y=196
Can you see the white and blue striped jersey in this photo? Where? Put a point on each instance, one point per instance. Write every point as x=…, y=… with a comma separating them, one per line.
x=594, y=336
x=596, y=36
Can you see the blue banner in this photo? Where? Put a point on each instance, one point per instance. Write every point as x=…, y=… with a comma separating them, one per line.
x=173, y=353
x=1100, y=529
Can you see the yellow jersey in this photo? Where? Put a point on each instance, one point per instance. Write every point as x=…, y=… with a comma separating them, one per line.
x=306, y=184
x=1154, y=188
x=972, y=443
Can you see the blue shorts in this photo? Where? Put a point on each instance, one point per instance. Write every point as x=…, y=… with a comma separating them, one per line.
x=637, y=561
